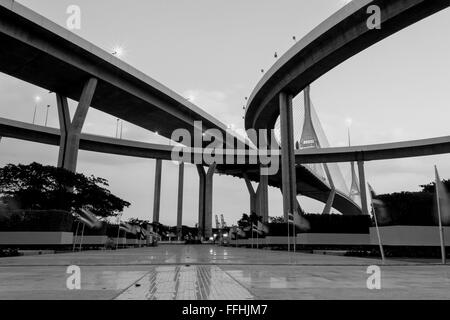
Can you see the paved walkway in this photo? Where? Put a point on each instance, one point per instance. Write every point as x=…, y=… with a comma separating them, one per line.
x=211, y=272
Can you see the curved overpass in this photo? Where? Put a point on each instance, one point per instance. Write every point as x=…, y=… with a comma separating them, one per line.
x=38, y=51
x=307, y=183
x=341, y=36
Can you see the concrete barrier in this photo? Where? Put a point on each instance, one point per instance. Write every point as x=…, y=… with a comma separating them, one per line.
x=132, y=242
x=392, y=236
x=410, y=236
x=91, y=240
x=17, y=238
x=334, y=239
x=120, y=242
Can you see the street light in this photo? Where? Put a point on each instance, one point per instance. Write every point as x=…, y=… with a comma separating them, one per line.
x=46, y=115
x=118, y=52
x=117, y=127
x=37, y=99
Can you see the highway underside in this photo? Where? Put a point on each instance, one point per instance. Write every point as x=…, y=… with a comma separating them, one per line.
x=210, y=272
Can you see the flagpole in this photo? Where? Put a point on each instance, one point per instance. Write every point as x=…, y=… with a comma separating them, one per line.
x=257, y=239
x=441, y=233
x=294, y=234
x=252, y=234
x=82, y=235
x=378, y=232
x=288, y=242
x=76, y=235
x=118, y=235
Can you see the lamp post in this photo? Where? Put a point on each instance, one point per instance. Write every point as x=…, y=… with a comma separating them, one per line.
x=117, y=127
x=118, y=52
x=37, y=99
x=46, y=115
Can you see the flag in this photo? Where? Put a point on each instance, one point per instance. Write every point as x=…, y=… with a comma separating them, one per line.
x=443, y=199
x=373, y=196
x=126, y=227
x=88, y=218
x=290, y=218
x=255, y=229
x=240, y=232
x=299, y=221
x=262, y=227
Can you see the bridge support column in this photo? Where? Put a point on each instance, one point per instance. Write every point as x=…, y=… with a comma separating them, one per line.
x=263, y=197
x=71, y=130
x=201, y=200
x=180, y=200
x=362, y=187
x=205, y=200
x=289, y=186
x=157, y=191
x=251, y=192
x=209, y=200
x=329, y=204
x=258, y=199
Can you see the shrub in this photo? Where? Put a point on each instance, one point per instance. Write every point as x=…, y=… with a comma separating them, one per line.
x=27, y=220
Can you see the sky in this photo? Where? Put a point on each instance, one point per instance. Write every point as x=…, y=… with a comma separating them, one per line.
x=212, y=51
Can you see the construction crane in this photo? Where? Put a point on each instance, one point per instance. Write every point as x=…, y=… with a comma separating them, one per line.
x=217, y=222
x=224, y=224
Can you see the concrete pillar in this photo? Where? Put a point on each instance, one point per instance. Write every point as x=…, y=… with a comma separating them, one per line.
x=263, y=197
x=209, y=200
x=331, y=196
x=180, y=200
x=71, y=131
x=299, y=208
x=201, y=200
x=205, y=201
x=64, y=126
x=289, y=186
x=251, y=192
x=258, y=201
x=157, y=191
x=362, y=187
x=329, y=204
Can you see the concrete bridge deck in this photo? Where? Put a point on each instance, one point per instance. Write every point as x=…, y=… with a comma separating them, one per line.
x=210, y=272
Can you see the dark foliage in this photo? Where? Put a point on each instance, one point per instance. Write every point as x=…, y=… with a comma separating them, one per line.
x=410, y=208
x=325, y=223
x=49, y=220
x=38, y=187
x=98, y=231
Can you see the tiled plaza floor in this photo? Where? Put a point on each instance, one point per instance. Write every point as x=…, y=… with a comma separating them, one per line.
x=211, y=272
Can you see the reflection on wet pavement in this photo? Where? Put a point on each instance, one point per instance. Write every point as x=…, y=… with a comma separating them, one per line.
x=212, y=272
x=186, y=283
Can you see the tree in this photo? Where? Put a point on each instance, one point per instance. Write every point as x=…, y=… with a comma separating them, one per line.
x=277, y=220
x=38, y=187
x=431, y=187
x=410, y=208
x=244, y=222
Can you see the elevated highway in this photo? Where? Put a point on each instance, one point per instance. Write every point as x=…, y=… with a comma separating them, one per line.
x=307, y=183
x=338, y=38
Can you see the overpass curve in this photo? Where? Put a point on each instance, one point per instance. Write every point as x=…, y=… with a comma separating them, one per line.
x=341, y=36
x=39, y=51
x=307, y=183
